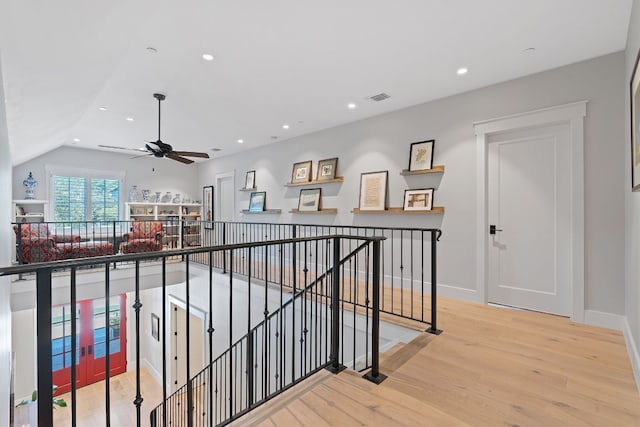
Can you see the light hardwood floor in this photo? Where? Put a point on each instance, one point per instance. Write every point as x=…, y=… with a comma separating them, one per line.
x=491, y=366
x=91, y=408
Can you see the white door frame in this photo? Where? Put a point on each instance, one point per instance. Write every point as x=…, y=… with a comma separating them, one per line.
x=572, y=114
x=218, y=194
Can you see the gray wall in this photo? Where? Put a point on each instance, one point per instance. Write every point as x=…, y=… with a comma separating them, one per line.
x=382, y=143
x=632, y=207
x=145, y=172
x=5, y=259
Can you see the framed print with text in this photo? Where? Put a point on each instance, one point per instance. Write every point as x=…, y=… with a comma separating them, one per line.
x=207, y=206
x=373, y=191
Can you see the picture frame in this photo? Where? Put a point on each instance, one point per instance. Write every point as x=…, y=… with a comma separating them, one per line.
x=309, y=200
x=257, y=201
x=418, y=199
x=301, y=172
x=327, y=169
x=250, y=180
x=155, y=326
x=421, y=155
x=207, y=206
x=373, y=191
x=634, y=87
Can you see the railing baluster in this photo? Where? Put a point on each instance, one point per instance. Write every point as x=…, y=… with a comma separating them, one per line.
x=137, y=306
x=107, y=367
x=374, y=375
x=164, y=341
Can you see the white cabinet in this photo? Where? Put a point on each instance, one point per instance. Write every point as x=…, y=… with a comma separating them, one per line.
x=181, y=221
x=30, y=210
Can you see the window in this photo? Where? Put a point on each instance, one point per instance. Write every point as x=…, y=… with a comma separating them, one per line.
x=78, y=198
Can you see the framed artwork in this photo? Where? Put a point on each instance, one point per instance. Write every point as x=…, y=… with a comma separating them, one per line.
x=155, y=326
x=250, y=180
x=207, y=206
x=256, y=201
x=327, y=169
x=421, y=155
x=309, y=200
x=301, y=172
x=418, y=200
x=373, y=191
x=635, y=126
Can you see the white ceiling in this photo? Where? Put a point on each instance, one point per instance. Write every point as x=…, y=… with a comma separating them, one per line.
x=298, y=62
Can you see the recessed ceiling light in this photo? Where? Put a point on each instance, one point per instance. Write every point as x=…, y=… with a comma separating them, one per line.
x=129, y=119
x=207, y=57
x=102, y=108
x=76, y=139
x=240, y=141
x=462, y=71
x=351, y=105
x=285, y=126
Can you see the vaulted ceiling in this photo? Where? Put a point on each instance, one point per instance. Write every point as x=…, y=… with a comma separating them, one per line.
x=276, y=62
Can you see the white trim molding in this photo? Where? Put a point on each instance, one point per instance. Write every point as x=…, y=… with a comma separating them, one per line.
x=632, y=349
x=572, y=114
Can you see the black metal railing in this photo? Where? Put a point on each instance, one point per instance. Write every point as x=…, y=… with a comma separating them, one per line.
x=309, y=329
x=408, y=261
x=313, y=328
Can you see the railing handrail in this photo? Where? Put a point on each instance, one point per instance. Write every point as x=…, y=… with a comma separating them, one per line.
x=80, y=262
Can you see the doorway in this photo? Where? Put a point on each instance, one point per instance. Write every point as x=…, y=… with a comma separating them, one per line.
x=226, y=197
x=179, y=352
x=95, y=326
x=530, y=210
x=529, y=219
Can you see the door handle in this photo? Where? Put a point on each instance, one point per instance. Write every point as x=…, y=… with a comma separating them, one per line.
x=89, y=349
x=493, y=229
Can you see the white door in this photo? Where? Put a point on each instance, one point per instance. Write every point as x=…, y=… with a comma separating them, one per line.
x=226, y=201
x=529, y=203
x=179, y=345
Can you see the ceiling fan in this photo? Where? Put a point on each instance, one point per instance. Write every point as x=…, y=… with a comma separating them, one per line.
x=161, y=149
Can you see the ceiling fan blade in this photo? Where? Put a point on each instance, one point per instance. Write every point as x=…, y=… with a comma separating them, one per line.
x=172, y=155
x=140, y=150
x=192, y=154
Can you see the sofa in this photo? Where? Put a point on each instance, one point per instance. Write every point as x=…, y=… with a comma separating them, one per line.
x=145, y=236
x=36, y=243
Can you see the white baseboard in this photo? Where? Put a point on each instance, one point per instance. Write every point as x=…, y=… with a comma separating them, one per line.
x=604, y=320
x=632, y=349
x=152, y=370
x=458, y=293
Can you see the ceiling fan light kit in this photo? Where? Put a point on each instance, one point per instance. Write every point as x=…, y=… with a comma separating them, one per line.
x=162, y=149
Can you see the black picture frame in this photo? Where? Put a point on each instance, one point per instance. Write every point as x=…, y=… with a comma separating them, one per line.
x=207, y=207
x=250, y=180
x=634, y=88
x=155, y=326
x=418, y=199
x=327, y=169
x=301, y=172
x=257, y=201
x=421, y=155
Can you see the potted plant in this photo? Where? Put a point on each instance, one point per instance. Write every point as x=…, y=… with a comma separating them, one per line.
x=26, y=414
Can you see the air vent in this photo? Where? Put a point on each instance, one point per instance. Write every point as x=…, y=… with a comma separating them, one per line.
x=379, y=97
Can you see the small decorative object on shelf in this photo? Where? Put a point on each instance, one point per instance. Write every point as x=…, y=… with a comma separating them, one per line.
x=418, y=200
x=421, y=155
x=166, y=198
x=158, y=196
x=309, y=200
x=30, y=184
x=133, y=193
x=301, y=172
x=176, y=198
x=327, y=169
x=373, y=191
x=257, y=201
x=145, y=195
